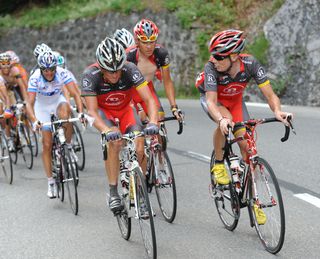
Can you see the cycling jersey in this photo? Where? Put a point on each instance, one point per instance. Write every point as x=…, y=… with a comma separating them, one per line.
x=230, y=90
x=23, y=72
x=48, y=94
x=114, y=99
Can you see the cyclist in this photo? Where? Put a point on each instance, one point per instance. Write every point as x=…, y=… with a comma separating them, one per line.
x=107, y=87
x=15, y=86
x=40, y=48
x=45, y=96
x=15, y=60
x=4, y=101
x=153, y=61
x=221, y=85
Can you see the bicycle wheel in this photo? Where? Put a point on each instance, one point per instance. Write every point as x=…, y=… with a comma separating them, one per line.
x=226, y=200
x=26, y=146
x=165, y=186
x=57, y=173
x=34, y=142
x=78, y=147
x=5, y=160
x=145, y=215
x=272, y=232
x=123, y=219
x=70, y=180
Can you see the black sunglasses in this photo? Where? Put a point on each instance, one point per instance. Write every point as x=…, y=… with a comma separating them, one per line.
x=49, y=69
x=219, y=58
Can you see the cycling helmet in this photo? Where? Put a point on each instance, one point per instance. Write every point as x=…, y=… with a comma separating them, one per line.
x=124, y=37
x=146, y=30
x=5, y=59
x=14, y=57
x=47, y=60
x=60, y=59
x=111, y=55
x=40, y=48
x=227, y=42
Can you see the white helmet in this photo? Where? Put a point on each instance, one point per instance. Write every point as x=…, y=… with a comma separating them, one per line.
x=124, y=37
x=14, y=56
x=47, y=60
x=40, y=49
x=111, y=55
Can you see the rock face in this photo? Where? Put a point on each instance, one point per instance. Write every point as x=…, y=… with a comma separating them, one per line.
x=294, y=37
x=78, y=40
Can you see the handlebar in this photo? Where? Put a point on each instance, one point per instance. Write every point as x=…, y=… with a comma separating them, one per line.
x=59, y=121
x=181, y=122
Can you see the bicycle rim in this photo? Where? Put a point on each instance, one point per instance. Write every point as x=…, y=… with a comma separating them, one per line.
x=272, y=233
x=5, y=160
x=78, y=147
x=146, y=223
x=34, y=143
x=26, y=147
x=226, y=200
x=123, y=219
x=165, y=186
x=70, y=181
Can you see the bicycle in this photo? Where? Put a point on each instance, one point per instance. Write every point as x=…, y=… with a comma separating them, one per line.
x=5, y=157
x=134, y=196
x=20, y=133
x=160, y=173
x=64, y=167
x=253, y=185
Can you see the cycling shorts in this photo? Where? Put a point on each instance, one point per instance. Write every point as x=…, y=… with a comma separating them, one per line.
x=138, y=101
x=127, y=117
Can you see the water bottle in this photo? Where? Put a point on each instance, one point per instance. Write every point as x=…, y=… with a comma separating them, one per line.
x=61, y=136
x=124, y=179
x=235, y=167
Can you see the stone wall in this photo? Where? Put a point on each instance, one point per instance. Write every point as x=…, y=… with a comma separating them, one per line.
x=78, y=40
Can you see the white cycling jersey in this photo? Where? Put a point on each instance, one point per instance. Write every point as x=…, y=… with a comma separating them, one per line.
x=48, y=94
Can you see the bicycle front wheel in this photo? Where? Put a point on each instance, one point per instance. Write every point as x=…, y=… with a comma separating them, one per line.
x=265, y=193
x=26, y=146
x=165, y=185
x=70, y=181
x=78, y=147
x=145, y=215
x=5, y=160
x=225, y=199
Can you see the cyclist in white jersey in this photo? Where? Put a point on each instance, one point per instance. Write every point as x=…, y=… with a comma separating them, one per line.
x=45, y=96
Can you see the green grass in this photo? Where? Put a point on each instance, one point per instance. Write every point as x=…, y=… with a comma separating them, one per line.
x=259, y=48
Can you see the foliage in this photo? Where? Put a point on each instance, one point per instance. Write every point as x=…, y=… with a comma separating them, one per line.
x=259, y=48
x=279, y=85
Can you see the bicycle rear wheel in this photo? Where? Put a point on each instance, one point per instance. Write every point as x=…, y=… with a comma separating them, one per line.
x=165, y=185
x=145, y=215
x=226, y=199
x=26, y=146
x=70, y=180
x=78, y=147
x=272, y=232
x=5, y=159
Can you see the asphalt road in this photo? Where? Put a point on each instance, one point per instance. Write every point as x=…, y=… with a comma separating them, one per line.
x=32, y=226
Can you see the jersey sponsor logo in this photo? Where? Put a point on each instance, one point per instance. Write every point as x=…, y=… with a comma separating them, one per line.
x=261, y=73
x=136, y=76
x=115, y=99
x=231, y=90
x=64, y=75
x=86, y=83
x=34, y=82
x=210, y=78
x=166, y=60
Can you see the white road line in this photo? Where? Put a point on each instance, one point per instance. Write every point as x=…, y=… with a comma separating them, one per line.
x=309, y=198
x=199, y=156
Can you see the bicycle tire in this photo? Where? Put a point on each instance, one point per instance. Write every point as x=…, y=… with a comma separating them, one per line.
x=14, y=153
x=70, y=180
x=34, y=142
x=57, y=173
x=150, y=179
x=26, y=146
x=5, y=159
x=78, y=146
x=225, y=199
x=272, y=239
x=123, y=219
x=165, y=184
x=146, y=223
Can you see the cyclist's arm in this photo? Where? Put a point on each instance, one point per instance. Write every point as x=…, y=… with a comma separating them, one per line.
x=212, y=100
x=73, y=92
x=147, y=97
x=30, y=106
x=168, y=85
x=92, y=108
x=21, y=83
x=4, y=94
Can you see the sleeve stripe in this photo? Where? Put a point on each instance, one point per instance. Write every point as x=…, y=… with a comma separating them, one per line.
x=166, y=66
x=88, y=94
x=264, y=84
x=145, y=83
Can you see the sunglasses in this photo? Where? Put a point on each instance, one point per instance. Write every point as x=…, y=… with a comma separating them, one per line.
x=152, y=38
x=50, y=69
x=5, y=63
x=219, y=58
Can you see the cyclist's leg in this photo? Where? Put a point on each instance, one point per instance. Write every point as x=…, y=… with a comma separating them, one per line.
x=63, y=111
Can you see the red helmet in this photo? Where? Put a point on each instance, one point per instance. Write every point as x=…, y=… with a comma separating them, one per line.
x=227, y=42
x=146, y=30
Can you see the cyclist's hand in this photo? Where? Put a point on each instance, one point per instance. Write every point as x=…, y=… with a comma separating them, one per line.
x=7, y=114
x=36, y=125
x=177, y=112
x=151, y=129
x=82, y=118
x=283, y=116
x=111, y=135
x=223, y=125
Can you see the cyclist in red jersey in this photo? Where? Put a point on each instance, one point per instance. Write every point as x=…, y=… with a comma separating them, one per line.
x=153, y=61
x=221, y=87
x=107, y=87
